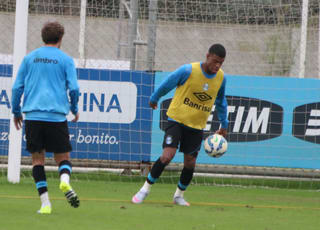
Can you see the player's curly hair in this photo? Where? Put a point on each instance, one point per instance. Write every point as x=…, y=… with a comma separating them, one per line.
x=218, y=50
x=52, y=32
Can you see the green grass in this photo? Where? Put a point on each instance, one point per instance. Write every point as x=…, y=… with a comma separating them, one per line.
x=172, y=177
x=106, y=205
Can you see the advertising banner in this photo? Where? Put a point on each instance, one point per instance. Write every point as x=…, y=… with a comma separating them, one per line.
x=274, y=122
x=115, y=119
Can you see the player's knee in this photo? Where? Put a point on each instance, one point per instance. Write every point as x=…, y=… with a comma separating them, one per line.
x=37, y=162
x=165, y=159
x=190, y=163
x=59, y=157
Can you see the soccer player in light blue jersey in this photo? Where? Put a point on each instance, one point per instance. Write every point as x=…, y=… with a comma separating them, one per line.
x=47, y=78
x=199, y=86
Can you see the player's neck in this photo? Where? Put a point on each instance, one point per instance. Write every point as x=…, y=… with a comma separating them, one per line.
x=205, y=68
x=57, y=45
x=52, y=45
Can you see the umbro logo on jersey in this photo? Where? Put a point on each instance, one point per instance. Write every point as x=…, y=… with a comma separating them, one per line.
x=45, y=60
x=202, y=96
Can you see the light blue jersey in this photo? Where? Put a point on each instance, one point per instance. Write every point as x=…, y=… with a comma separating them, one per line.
x=45, y=77
x=179, y=77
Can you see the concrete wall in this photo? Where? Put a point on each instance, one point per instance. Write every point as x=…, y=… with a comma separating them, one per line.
x=251, y=50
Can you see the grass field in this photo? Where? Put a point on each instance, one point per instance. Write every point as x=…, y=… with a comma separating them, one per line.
x=106, y=205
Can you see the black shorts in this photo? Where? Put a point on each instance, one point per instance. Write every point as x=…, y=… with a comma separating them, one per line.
x=48, y=136
x=187, y=139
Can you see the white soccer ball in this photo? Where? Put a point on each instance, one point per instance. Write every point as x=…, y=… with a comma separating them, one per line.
x=215, y=145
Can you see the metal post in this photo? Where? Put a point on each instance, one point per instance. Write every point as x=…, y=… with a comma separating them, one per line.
x=303, y=38
x=19, y=51
x=82, y=32
x=121, y=16
x=319, y=45
x=134, y=7
x=152, y=34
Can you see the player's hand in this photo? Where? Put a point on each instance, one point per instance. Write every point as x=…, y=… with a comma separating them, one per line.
x=153, y=105
x=18, y=122
x=223, y=132
x=76, y=117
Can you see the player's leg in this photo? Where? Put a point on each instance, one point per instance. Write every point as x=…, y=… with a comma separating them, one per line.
x=185, y=179
x=65, y=169
x=58, y=142
x=154, y=174
x=39, y=176
x=35, y=138
x=190, y=145
x=170, y=145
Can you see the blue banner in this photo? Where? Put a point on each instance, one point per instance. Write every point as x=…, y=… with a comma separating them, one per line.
x=274, y=122
x=115, y=119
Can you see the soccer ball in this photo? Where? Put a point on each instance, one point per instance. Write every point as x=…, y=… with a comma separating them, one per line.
x=215, y=145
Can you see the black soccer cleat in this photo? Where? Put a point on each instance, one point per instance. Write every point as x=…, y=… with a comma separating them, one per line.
x=70, y=194
x=72, y=198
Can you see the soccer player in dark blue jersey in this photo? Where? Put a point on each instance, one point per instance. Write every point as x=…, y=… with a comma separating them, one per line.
x=199, y=86
x=47, y=79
